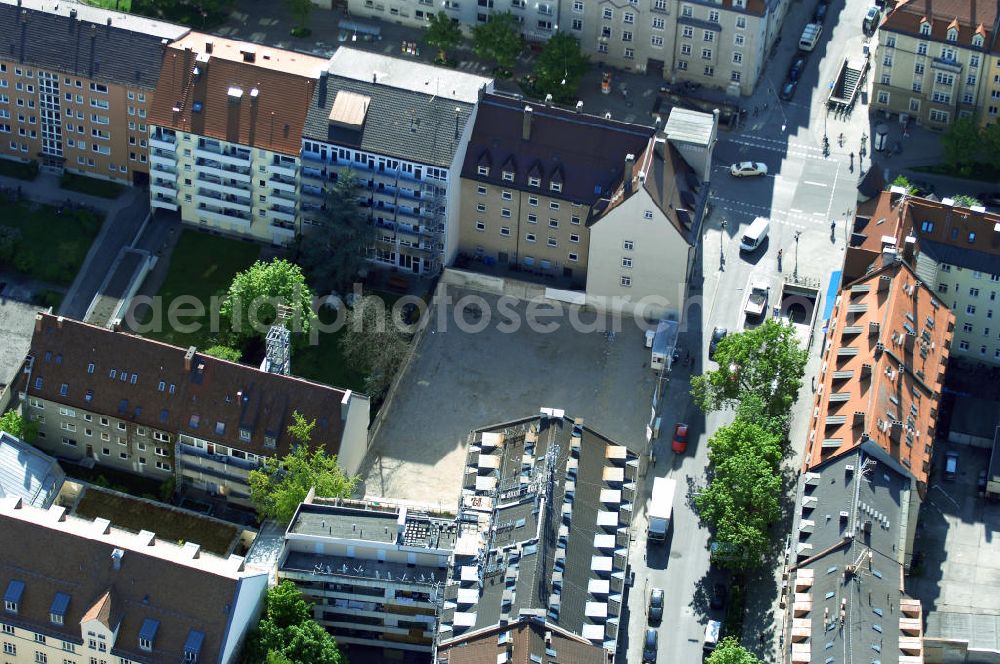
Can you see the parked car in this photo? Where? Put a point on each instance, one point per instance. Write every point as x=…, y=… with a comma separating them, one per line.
x=680, y=443
x=871, y=21
x=718, y=334
x=820, y=13
x=950, y=465
x=719, y=593
x=649, y=646
x=655, y=610
x=788, y=90
x=747, y=168
x=795, y=71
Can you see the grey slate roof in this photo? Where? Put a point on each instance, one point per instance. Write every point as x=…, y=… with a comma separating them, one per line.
x=399, y=123
x=97, y=43
x=543, y=519
x=876, y=498
x=971, y=259
x=27, y=472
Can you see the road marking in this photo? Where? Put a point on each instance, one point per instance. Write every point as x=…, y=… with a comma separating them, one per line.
x=815, y=184
x=836, y=175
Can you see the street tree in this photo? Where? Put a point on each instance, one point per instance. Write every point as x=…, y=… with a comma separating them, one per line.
x=744, y=438
x=990, y=145
x=766, y=361
x=300, y=10
x=250, y=305
x=903, y=181
x=751, y=409
x=224, y=353
x=962, y=142
x=443, y=34
x=499, y=39
x=278, y=487
x=729, y=651
x=10, y=238
x=560, y=66
x=287, y=633
x=16, y=425
x=333, y=254
x=374, y=342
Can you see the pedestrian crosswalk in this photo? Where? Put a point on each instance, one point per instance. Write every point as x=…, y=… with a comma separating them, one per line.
x=793, y=218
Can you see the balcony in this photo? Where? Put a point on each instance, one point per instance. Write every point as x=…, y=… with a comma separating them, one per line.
x=212, y=198
x=158, y=200
x=287, y=170
x=282, y=184
x=163, y=143
x=164, y=169
x=283, y=233
x=218, y=170
x=163, y=188
x=226, y=187
x=288, y=197
x=282, y=213
x=228, y=157
x=223, y=215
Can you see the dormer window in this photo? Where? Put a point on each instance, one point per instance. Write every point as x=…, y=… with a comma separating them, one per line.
x=555, y=186
x=57, y=612
x=192, y=645
x=148, y=634
x=508, y=176
x=12, y=598
x=484, y=170
x=270, y=441
x=534, y=182
x=977, y=41
x=245, y=434
x=952, y=35
x=64, y=389
x=925, y=28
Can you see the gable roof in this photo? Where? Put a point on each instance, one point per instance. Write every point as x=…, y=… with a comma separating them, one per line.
x=236, y=92
x=198, y=395
x=520, y=640
x=585, y=151
x=151, y=580
x=27, y=472
x=968, y=16
x=406, y=124
x=75, y=38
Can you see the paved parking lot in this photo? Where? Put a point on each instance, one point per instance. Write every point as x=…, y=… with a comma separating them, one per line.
x=461, y=380
x=958, y=579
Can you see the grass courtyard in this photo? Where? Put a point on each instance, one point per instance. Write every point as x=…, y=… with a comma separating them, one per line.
x=171, y=525
x=47, y=245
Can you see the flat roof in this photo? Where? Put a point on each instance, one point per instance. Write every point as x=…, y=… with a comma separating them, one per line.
x=690, y=126
x=86, y=13
x=408, y=75
x=265, y=57
x=372, y=522
x=17, y=324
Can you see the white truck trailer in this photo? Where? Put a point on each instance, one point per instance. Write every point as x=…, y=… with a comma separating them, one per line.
x=661, y=509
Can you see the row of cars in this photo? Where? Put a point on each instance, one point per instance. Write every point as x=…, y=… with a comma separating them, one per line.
x=654, y=615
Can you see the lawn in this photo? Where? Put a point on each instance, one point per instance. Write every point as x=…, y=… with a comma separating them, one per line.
x=201, y=266
x=170, y=525
x=91, y=186
x=323, y=362
x=50, y=245
x=116, y=5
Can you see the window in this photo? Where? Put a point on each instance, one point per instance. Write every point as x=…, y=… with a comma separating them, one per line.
x=9, y=648
x=577, y=24
x=918, y=69
x=942, y=288
x=553, y=205
x=685, y=50
x=505, y=231
x=575, y=220
x=925, y=28
x=939, y=116
x=609, y=13
x=533, y=201
x=708, y=36
x=506, y=195
x=480, y=226
x=530, y=237
x=626, y=281
x=578, y=6
x=973, y=292
x=628, y=18
x=574, y=257
x=626, y=262
x=659, y=24
x=738, y=40
x=574, y=238
x=553, y=222
x=483, y=170
x=505, y=212
x=970, y=309
x=737, y=58
x=709, y=71
x=890, y=42
x=628, y=245
x=481, y=190
x=480, y=208
x=532, y=218
x=706, y=54
x=41, y=658
x=534, y=182
x=967, y=327
x=741, y=22
x=555, y=186
x=552, y=242
x=686, y=11
x=972, y=237
x=883, y=97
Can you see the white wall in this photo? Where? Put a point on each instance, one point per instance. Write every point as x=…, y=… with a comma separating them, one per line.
x=659, y=261
x=354, y=441
x=248, y=602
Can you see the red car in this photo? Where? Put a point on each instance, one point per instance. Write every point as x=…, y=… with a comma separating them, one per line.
x=680, y=444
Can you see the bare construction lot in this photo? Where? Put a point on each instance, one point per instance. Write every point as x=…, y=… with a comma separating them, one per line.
x=459, y=380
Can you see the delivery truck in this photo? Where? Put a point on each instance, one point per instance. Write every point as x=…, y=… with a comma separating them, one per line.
x=661, y=509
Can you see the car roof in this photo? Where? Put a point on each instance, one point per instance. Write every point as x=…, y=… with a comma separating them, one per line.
x=681, y=427
x=650, y=634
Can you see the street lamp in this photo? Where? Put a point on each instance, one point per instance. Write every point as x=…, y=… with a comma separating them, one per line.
x=784, y=120
x=795, y=274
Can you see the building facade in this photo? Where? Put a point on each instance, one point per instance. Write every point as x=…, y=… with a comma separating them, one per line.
x=164, y=412
x=936, y=64
x=226, y=131
x=719, y=43
x=78, y=591
x=401, y=129
x=76, y=87
x=375, y=572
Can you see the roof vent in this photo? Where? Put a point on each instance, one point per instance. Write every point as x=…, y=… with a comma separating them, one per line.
x=116, y=558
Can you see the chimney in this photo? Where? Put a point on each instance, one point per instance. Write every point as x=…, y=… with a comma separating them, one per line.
x=629, y=166
x=374, y=78
x=116, y=558
x=38, y=323
x=209, y=45
x=579, y=106
x=526, y=123
x=188, y=357
x=59, y=322
x=548, y=98
x=249, y=55
x=458, y=118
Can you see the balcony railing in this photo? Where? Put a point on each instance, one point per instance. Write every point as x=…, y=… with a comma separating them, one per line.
x=162, y=143
x=233, y=157
x=214, y=198
x=283, y=169
x=159, y=200
x=282, y=184
x=282, y=213
x=216, y=168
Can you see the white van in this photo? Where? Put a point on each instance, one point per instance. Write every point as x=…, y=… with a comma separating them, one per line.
x=712, y=631
x=755, y=234
x=810, y=36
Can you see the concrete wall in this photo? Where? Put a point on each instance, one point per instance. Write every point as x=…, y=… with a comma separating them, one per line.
x=247, y=603
x=354, y=441
x=489, y=284
x=953, y=651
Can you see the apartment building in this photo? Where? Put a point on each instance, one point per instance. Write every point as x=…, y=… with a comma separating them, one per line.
x=720, y=43
x=884, y=360
x=531, y=175
x=938, y=61
x=518, y=641
x=76, y=85
x=546, y=511
x=77, y=590
x=401, y=128
x=161, y=411
x=845, y=592
x=952, y=249
x=375, y=572
x=226, y=132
